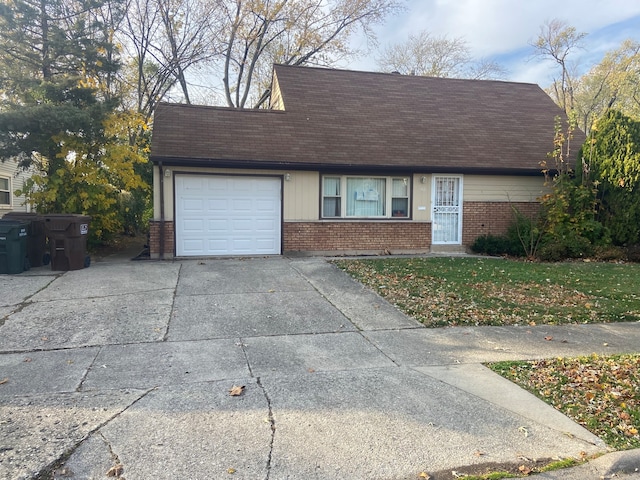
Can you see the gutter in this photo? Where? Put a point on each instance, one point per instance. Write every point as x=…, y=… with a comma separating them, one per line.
x=162, y=220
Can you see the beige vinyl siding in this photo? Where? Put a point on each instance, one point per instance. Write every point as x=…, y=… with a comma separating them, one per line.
x=487, y=188
x=277, y=102
x=301, y=191
x=302, y=197
x=16, y=177
x=421, y=197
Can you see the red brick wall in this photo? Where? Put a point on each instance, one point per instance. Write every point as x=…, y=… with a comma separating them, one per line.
x=395, y=237
x=479, y=218
x=491, y=218
x=154, y=239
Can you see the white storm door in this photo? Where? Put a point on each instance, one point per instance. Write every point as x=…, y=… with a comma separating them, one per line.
x=227, y=215
x=446, y=224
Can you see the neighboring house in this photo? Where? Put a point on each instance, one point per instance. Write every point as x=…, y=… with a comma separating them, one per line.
x=11, y=179
x=349, y=162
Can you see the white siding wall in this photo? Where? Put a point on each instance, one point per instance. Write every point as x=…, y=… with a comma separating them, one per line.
x=16, y=176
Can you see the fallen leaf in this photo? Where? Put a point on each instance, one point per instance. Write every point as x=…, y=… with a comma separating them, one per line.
x=424, y=475
x=311, y=370
x=524, y=431
x=525, y=470
x=478, y=453
x=548, y=338
x=231, y=471
x=3, y=381
x=115, y=471
x=27, y=360
x=236, y=391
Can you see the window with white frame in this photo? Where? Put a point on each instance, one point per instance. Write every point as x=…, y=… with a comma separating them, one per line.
x=365, y=197
x=5, y=191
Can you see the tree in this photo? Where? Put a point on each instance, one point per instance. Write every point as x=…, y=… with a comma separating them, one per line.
x=58, y=113
x=613, y=83
x=424, y=54
x=258, y=33
x=164, y=39
x=557, y=41
x=613, y=163
x=53, y=54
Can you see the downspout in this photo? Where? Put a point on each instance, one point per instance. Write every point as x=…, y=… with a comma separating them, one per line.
x=161, y=253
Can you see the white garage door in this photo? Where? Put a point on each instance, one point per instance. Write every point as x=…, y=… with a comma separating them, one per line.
x=218, y=215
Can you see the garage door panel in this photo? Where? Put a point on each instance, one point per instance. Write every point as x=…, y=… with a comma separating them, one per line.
x=218, y=215
x=193, y=225
x=218, y=204
x=193, y=246
x=217, y=225
x=193, y=204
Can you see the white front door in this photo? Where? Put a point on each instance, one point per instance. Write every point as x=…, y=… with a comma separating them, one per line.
x=446, y=224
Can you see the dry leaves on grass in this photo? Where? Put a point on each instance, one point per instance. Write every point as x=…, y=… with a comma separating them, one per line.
x=437, y=301
x=600, y=393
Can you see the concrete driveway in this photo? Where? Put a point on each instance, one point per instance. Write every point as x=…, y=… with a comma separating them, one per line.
x=124, y=370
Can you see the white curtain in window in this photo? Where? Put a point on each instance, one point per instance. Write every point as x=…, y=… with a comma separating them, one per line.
x=365, y=197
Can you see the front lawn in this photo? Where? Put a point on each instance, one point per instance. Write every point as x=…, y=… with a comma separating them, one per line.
x=442, y=291
x=600, y=393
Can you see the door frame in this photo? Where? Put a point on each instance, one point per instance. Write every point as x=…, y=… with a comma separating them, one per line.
x=434, y=180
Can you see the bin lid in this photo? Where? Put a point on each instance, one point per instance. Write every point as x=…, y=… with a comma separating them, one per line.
x=8, y=226
x=26, y=216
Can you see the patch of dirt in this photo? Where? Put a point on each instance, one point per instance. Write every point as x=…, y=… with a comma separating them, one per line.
x=122, y=245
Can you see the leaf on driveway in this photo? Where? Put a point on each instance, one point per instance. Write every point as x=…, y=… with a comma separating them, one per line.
x=236, y=391
x=3, y=381
x=115, y=471
x=548, y=338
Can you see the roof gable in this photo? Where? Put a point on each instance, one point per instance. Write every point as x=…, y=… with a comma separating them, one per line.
x=346, y=119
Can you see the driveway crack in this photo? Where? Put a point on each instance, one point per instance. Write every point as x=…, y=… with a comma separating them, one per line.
x=50, y=470
x=165, y=337
x=88, y=369
x=272, y=424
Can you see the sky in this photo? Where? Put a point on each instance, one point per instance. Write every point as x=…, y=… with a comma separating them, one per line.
x=502, y=30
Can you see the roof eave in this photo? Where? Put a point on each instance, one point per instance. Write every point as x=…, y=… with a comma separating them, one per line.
x=338, y=168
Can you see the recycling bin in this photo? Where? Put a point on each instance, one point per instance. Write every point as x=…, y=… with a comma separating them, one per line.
x=67, y=235
x=36, y=237
x=13, y=246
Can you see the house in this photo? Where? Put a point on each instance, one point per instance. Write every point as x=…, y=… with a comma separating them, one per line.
x=12, y=178
x=347, y=162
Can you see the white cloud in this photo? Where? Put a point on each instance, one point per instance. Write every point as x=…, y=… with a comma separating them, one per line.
x=503, y=29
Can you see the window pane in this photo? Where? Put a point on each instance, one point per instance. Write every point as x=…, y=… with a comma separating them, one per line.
x=331, y=186
x=365, y=197
x=331, y=207
x=4, y=184
x=400, y=187
x=399, y=207
x=4, y=198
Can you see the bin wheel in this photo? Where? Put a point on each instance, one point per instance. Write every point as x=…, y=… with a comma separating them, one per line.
x=27, y=264
x=46, y=258
x=87, y=261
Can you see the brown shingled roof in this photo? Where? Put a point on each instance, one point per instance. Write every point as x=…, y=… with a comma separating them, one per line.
x=346, y=119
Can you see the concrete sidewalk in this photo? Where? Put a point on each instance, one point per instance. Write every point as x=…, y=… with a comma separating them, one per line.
x=125, y=368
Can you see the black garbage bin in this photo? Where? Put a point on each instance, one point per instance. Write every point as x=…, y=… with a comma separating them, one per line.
x=36, y=237
x=13, y=246
x=67, y=235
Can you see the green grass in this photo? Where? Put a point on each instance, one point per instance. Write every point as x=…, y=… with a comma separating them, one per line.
x=476, y=291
